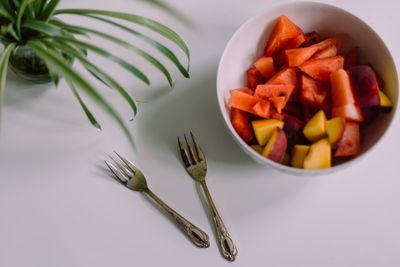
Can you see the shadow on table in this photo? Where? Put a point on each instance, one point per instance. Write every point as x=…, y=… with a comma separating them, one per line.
x=192, y=106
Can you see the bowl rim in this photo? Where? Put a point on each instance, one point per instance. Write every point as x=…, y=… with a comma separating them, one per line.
x=245, y=147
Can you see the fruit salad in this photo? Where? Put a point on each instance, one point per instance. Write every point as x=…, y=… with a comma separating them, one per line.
x=306, y=101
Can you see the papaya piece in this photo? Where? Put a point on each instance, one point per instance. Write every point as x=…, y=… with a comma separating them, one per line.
x=284, y=31
x=240, y=122
x=319, y=69
x=342, y=93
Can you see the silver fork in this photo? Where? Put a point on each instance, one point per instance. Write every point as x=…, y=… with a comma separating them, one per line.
x=133, y=178
x=196, y=166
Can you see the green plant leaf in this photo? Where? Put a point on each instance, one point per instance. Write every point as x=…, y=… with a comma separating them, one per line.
x=135, y=71
x=54, y=60
x=95, y=71
x=125, y=44
x=48, y=10
x=21, y=10
x=4, y=57
x=6, y=12
x=149, y=23
x=45, y=28
x=89, y=114
x=160, y=47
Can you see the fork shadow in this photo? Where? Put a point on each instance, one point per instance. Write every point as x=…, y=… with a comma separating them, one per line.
x=193, y=106
x=107, y=174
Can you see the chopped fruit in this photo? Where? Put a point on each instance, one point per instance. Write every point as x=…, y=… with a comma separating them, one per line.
x=319, y=69
x=312, y=38
x=365, y=86
x=257, y=148
x=297, y=56
x=335, y=129
x=254, y=78
x=278, y=102
x=265, y=65
x=298, y=155
x=342, y=97
x=329, y=51
x=350, y=112
x=241, y=99
x=240, y=122
x=342, y=94
x=351, y=58
x=278, y=116
x=334, y=40
x=263, y=129
x=285, y=30
x=349, y=145
x=315, y=94
x=266, y=91
x=385, y=101
x=292, y=129
x=276, y=147
x=286, y=76
x=315, y=128
x=280, y=58
x=286, y=159
x=319, y=155
x=297, y=83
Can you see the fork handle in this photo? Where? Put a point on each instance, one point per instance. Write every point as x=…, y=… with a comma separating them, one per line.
x=228, y=248
x=196, y=235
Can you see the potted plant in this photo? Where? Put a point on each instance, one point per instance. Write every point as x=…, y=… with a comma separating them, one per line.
x=40, y=47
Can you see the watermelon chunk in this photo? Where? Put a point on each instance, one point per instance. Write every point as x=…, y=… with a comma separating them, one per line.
x=285, y=30
x=278, y=102
x=329, y=51
x=320, y=69
x=266, y=91
x=265, y=65
x=315, y=94
x=298, y=56
x=254, y=78
x=296, y=42
x=241, y=99
x=240, y=122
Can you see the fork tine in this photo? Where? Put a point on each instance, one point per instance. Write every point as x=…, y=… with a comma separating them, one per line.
x=184, y=154
x=199, y=152
x=128, y=163
x=122, y=168
x=118, y=174
x=194, y=160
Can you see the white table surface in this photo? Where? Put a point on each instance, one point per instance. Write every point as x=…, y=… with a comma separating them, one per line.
x=58, y=207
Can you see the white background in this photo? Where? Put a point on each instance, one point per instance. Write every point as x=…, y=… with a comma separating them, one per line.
x=59, y=207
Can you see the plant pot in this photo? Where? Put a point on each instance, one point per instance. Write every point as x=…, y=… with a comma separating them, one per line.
x=28, y=66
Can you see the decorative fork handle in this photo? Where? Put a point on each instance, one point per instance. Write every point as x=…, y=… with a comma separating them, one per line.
x=196, y=235
x=229, y=250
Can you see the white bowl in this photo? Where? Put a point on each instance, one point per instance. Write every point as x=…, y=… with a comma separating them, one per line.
x=248, y=42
